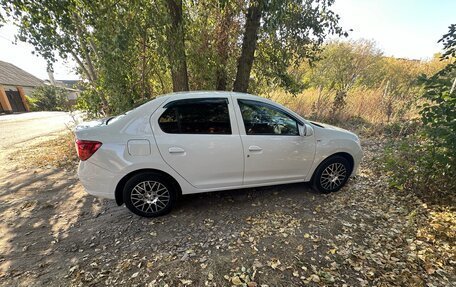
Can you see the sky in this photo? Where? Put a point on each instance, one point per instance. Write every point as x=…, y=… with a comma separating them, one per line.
x=401, y=28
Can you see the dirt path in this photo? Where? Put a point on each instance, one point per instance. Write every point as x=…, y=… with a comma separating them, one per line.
x=19, y=128
x=53, y=234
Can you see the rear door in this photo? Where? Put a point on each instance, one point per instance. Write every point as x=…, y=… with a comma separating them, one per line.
x=199, y=139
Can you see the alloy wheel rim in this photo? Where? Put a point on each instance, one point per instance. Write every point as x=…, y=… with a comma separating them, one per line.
x=150, y=196
x=333, y=176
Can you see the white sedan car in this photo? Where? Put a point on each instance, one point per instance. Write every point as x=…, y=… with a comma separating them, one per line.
x=193, y=142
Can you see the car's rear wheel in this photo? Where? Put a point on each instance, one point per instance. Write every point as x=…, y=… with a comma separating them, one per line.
x=332, y=174
x=149, y=194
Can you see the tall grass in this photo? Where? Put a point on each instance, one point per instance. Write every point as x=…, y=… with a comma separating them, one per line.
x=370, y=105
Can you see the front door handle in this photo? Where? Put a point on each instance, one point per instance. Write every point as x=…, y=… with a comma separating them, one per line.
x=255, y=148
x=176, y=150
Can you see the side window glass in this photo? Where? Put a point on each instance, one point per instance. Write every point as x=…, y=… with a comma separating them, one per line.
x=196, y=116
x=263, y=119
x=169, y=121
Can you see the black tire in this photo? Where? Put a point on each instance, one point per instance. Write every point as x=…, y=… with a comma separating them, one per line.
x=326, y=181
x=149, y=194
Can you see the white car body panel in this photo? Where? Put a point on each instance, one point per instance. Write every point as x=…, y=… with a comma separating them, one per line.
x=134, y=141
x=204, y=160
x=274, y=158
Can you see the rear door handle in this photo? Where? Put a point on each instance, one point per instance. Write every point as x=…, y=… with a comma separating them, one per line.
x=176, y=150
x=255, y=148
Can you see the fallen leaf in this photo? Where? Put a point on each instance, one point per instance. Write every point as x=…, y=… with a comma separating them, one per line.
x=236, y=280
x=186, y=281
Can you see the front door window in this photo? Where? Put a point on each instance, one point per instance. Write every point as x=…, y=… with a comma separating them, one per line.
x=263, y=119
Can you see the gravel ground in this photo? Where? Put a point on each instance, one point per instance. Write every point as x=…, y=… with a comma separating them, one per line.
x=54, y=234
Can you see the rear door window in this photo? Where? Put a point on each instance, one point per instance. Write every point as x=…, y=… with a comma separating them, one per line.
x=196, y=116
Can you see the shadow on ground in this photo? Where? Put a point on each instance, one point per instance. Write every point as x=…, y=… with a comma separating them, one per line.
x=51, y=228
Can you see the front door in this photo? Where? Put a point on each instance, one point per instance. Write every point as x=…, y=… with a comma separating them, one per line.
x=199, y=139
x=274, y=149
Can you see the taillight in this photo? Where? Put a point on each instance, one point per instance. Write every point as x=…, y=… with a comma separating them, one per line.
x=86, y=148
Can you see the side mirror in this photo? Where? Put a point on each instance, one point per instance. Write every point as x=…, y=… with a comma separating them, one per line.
x=306, y=130
x=302, y=130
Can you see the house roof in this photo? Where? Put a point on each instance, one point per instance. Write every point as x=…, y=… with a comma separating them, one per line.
x=12, y=75
x=70, y=83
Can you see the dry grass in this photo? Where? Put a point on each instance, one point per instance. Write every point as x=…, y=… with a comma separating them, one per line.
x=52, y=151
x=366, y=104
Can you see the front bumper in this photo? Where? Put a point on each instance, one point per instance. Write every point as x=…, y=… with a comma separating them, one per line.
x=357, y=160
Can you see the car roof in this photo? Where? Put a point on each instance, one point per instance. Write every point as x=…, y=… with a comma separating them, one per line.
x=189, y=95
x=201, y=94
x=154, y=104
x=197, y=94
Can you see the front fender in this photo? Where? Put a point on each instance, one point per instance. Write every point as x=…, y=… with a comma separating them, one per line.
x=328, y=147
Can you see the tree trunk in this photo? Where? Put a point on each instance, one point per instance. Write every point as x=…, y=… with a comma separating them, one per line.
x=81, y=65
x=85, y=49
x=221, y=79
x=176, y=46
x=338, y=104
x=145, y=88
x=223, y=47
x=245, y=61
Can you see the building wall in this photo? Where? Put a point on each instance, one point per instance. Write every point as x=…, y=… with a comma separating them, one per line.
x=28, y=90
x=4, y=101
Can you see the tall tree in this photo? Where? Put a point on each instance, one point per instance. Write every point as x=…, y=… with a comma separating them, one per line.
x=56, y=27
x=245, y=62
x=283, y=32
x=223, y=31
x=130, y=50
x=118, y=45
x=176, y=49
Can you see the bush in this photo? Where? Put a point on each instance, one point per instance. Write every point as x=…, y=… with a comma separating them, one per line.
x=416, y=163
x=427, y=160
x=90, y=102
x=49, y=98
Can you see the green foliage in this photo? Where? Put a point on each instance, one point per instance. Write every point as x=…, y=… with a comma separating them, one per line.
x=123, y=49
x=346, y=64
x=49, y=98
x=292, y=31
x=131, y=65
x=416, y=163
x=89, y=101
x=427, y=160
x=439, y=112
x=118, y=46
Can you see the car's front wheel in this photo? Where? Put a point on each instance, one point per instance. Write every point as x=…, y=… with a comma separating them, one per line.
x=149, y=194
x=332, y=174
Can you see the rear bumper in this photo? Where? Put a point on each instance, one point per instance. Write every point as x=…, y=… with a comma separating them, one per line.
x=97, y=181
